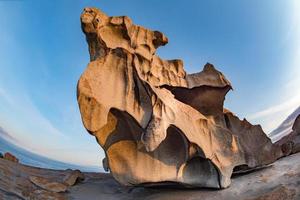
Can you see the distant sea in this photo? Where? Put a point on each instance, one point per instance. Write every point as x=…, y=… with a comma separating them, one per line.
x=27, y=158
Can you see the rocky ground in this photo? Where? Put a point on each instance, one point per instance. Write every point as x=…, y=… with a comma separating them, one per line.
x=279, y=181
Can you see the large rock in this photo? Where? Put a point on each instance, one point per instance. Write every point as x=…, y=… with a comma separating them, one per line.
x=10, y=157
x=156, y=123
x=73, y=177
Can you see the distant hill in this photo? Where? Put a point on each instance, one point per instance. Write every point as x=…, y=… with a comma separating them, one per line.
x=32, y=159
x=285, y=127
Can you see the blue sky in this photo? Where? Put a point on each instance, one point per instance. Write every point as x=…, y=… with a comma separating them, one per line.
x=256, y=44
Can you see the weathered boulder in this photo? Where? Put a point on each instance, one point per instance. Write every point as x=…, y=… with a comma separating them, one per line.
x=47, y=184
x=155, y=122
x=10, y=157
x=291, y=143
x=72, y=177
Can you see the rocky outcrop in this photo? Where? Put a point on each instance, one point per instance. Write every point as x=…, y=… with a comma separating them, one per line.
x=15, y=182
x=156, y=123
x=47, y=184
x=18, y=181
x=10, y=157
x=278, y=181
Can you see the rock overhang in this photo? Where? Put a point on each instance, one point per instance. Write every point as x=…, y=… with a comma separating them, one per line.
x=147, y=113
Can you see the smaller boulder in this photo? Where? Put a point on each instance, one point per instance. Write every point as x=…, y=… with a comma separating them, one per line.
x=47, y=184
x=10, y=157
x=73, y=177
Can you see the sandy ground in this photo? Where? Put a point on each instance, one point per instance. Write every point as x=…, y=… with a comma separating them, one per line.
x=279, y=181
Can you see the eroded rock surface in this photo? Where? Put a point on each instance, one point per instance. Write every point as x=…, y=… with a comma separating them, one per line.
x=72, y=177
x=280, y=181
x=15, y=182
x=47, y=184
x=278, y=193
x=156, y=123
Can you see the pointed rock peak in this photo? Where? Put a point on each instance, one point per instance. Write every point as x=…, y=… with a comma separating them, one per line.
x=209, y=67
x=209, y=76
x=91, y=19
x=160, y=39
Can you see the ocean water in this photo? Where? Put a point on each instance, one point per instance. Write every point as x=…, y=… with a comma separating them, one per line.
x=27, y=158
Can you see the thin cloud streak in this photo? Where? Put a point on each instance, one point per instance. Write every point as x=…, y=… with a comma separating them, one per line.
x=289, y=104
x=274, y=115
x=23, y=104
x=4, y=95
x=33, y=127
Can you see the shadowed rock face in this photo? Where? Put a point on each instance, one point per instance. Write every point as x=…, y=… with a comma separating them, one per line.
x=291, y=143
x=156, y=123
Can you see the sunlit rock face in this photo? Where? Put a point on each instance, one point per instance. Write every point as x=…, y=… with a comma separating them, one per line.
x=156, y=123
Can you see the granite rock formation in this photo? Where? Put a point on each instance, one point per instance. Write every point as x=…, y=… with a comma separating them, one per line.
x=156, y=123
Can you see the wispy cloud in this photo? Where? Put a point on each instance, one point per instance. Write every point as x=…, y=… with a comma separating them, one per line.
x=272, y=116
x=22, y=120
x=4, y=95
x=23, y=105
x=24, y=75
x=30, y=122
x=282, y=107
x=7, y=136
